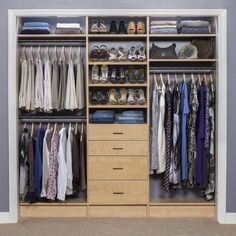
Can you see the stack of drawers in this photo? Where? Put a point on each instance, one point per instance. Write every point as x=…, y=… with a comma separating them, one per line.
x=118, y=164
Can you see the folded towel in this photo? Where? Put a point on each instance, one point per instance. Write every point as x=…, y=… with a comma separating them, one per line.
x=187, y=30
x=35, y=31
x=103, y=114
x=168, y=22
x=163, y=26
x=36, y=24
x=132, y=113
x=194, y=23
x=35, y=28
x=128, y=118
x=164, y=31
x=68, y=31
x=68, y=25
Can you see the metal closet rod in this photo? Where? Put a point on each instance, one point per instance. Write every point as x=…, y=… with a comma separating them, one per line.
x=166, y=70
x=52, y=43
x=61, y=119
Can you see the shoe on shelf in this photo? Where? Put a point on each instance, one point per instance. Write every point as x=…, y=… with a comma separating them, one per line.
x=131, y=75
x=122, y=28
x=95, y=74
x=104, y=74
x=112, y=54
x=93, y=98
x=121, y=54
x=113, y=28
x=94, y=27
x=131, y=97
x=141, y=78
x=113, y=75
x=140, y=98
x=140, y=51
x=94, y=54
x=102, y=98
x=103, y=54
x=132, y=56
x=140, y=27
x=122, y=76
x=131, y=28
x=112, y=97
x=102, y=27
x=122, y=100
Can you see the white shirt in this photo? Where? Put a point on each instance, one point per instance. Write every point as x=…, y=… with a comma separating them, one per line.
x=47, y=86
x=23, y=84
x=69, y=189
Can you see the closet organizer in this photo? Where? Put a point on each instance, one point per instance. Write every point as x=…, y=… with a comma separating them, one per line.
x=116, y=116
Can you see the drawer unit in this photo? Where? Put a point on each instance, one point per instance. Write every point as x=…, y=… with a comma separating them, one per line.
x=118, y=132
x=118, y=167
x=118, y=192
x=118, y=148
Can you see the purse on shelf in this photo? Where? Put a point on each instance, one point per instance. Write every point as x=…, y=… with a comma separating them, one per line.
x=206, y=48
x=188, y=51
x=163, y=53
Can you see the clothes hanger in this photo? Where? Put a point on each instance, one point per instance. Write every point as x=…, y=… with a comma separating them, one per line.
x=23, y=55
x=71, y=58
x=155, y=80
x=205, y=79
x=168, y=78
x=212, y=83
x=192, y=77
x=31, y=53
x=47, y=53
x=25, y=125
x=55, y=128
x=76, y=128
x=54, y=54
x=48, y=127
x=199, y=79
x=39, y=53
x=161, y=77
x=79, y=55
x=63, y=125
x=82, y=131
x=32, y=130
x=40, y=125
x=184, y=77
x=176, y=80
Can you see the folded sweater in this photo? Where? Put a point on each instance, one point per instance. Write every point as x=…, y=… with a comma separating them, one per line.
x=163, y=23
x=194, y=23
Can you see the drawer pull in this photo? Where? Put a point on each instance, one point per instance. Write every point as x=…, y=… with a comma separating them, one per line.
x=117, y=148
x=117, y=133
x=118, y=193
x=118, y=168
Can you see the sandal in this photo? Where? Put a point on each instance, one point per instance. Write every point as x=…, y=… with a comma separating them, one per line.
x=94, y=75
x=132, y=54
x=139, y=94
x=104, y=74
x=94, y=27
x=121, y=54
x=102, y=27
x=112, y=54
x=141, y=78
x=123, y=97
x=141, y=53
x=113, y=76
x=131, y=28
x=112, y=97
x=103, y=55
x=140, y=27
x=131, y=97
x=94, y=54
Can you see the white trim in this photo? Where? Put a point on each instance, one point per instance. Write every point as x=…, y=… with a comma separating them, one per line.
x=221, y=150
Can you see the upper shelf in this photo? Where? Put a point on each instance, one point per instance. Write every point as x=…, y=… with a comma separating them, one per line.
x=117, y=36
x=182, y=35
x=50, y=36
x=182, y=60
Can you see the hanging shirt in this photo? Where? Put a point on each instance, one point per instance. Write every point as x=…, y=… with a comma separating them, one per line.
x=62, y=84
x=55, y=84
x=62, y=169
x=31, y=170
x=23, y=84
x=47, y=86
x=184, y=114
x=80, y=90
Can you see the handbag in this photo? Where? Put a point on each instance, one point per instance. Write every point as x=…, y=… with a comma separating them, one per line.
x=163, y=53
x=188, y=51
x=206, y=48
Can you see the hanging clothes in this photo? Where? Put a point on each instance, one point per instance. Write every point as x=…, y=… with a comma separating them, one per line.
x=53, y=166
x=154, y=128
x=46, y=153
x=23, y=84
x=69, y=190
x=80, y=90
x=63, y=83
x=175, y=154
x=55, y=84
x=82, y=149
x=39, y=94
x=47, y=86
x=192, y=145
x=71, y=100
x=62, y=169
x=184, y=113
x=31, y=169
x=168, y=143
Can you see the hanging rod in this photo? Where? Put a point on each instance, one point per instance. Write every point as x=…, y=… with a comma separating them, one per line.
x=166, y=70
x=53, y=119
x=81, y=43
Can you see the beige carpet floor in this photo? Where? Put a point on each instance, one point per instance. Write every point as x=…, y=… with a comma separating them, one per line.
x=117, y=227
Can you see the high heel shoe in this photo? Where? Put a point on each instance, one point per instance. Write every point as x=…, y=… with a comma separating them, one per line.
x=140, y=98
x=132, y=54
x=112, y=54
x=94, y=75
x=104, y=74
x=141, y=53
x=112, y=97
x=121, y=54
x=131, y=97
x=123, y=96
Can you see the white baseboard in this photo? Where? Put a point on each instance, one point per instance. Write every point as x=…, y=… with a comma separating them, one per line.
x=229, y=218
x=6, y=218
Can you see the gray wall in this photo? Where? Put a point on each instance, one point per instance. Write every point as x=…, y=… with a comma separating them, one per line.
x=230, y=5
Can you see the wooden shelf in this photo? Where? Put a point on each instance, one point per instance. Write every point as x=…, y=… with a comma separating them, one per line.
x=112, y=36
x=128, y=63
x=117, y=85
x=182, y=35
x=50, y=36
x=117, y=106
x=182, y=60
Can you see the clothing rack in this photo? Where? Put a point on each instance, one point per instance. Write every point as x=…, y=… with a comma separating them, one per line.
x=180, y=70
x=53, y=119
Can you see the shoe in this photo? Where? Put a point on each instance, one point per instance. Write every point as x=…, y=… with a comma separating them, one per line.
x=103, y=54
x=131, y=77
x=112, y=97
x=131, y=97
x=113, y=76
x=140, y=51
x=121, y=54
x=140, y=98
x=104, y=74
x=140, y=27
x=122, y=100
x=141, y=78
x=94, y=75
x=94, y=54
x=132, y=56
x=113, y=28
x=122, y=76
x=102, y=98
x=122, y=28
x=131, y=28
x=93, y=98
x=94, y=28
x=112, y=54
x=102, y=27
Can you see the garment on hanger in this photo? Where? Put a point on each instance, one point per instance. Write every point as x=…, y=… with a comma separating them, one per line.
x=55, y=84
x=31, y=169
x=82, y=149
x=47, y=86
x=24, y=81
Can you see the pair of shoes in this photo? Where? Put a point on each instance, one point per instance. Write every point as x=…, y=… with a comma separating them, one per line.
x=138, y=28
x=117, y=54
x=98, y=97
x=98, y=27
x=117, y=97
x=99, y=53
x=120, y=30
x=101, y=77
x=136, y=75
x=118, y=76
x=136, y=97
x=137, y=53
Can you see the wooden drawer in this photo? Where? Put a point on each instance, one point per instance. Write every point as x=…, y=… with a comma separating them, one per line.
x=118, y=148
x=118, y=132
x=118, y=167
x=118, y=192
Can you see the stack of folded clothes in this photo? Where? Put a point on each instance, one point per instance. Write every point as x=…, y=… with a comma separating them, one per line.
x=130, y=117
x=36, y=28
x=163, y=27
x=102, y=117
x=195, y=27
x=68, y=28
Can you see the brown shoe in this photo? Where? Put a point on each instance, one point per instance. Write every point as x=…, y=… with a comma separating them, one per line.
x=131, y=28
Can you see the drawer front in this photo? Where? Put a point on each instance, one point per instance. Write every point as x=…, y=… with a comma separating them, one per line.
x=118, y=167
x=118, y=192
x=118, y=148
x=118, y=132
